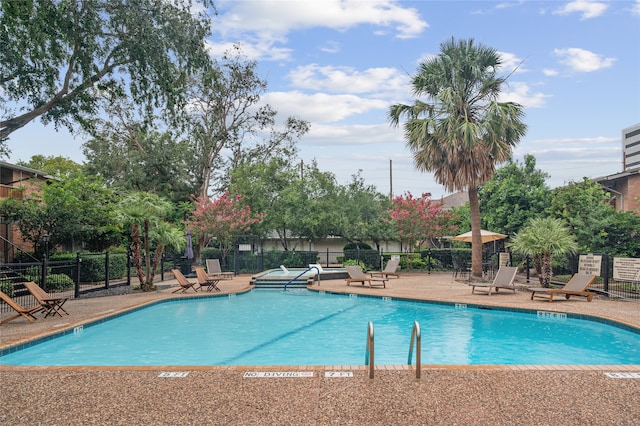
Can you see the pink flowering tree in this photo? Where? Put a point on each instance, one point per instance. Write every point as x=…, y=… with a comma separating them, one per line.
x=223, y=218
x=419, y=219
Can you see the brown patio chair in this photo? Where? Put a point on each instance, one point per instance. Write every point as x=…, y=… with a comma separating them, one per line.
x=356, y=275
x=391, y=269
x=576, y=286
x=20, y=310
x=205, y=280
x=50, y=305
x=503, y=279
x=214, y=270
x=184, y=283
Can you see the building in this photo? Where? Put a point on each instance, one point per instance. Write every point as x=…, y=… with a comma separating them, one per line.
x=16, y=182
x=625, y=186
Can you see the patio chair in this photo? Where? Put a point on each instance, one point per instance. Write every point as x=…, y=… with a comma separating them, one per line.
x=21, y=311
x=214, y=270
x=184, y=283
x=576, y=286
x=391, y=269
x=503, y=279
x=205, y=280
x=50, y=305
x=460, y=267
x=356, y=275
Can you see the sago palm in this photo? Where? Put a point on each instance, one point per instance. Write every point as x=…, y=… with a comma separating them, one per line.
x=460, y=132
x=541, y=239
x=141, y=210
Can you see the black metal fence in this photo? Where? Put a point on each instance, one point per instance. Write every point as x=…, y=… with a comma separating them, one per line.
x=86, y=273
x=74, y=277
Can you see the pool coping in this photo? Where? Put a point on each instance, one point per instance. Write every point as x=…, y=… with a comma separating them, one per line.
x=33, y=340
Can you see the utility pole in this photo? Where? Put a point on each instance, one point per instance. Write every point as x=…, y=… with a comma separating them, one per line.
x=390, y=179
x=301, y=169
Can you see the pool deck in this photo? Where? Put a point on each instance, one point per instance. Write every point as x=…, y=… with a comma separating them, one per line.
x=452, y=395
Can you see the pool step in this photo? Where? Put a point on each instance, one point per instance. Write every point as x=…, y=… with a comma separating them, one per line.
x=276, y=283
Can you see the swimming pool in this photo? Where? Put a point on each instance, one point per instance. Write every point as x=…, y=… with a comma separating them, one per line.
x=303, y=327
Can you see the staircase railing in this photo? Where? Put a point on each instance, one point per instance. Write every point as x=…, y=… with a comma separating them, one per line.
x=299, y=275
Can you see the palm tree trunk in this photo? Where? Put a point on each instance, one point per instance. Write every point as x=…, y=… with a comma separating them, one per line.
x=546, y=270
x=135, y=249
x=476, y=238
x=146, y=286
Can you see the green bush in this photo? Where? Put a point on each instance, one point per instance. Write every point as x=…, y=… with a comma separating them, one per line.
x=58, y=282
x=7, y=288
x=371, y=258
x=92, y=268
x=356, y=246
x=353, y=262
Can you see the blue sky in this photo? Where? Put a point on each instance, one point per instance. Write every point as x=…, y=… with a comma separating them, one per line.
x=341, y=64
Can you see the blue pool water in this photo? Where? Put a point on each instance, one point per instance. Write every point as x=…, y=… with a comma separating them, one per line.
x=302, y=327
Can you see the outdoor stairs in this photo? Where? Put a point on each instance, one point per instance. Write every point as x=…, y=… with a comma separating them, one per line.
x=279, y=283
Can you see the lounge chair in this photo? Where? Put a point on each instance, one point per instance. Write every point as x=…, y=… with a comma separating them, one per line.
x=50, y=305
x=214, y=270
x=205, y=280
x=391, y=269
x=184, y=283
x=576, y=286
x=503, y=279
x=20, y=310
x=356, y=275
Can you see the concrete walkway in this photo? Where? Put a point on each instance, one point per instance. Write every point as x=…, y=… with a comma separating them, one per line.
x=451, y=395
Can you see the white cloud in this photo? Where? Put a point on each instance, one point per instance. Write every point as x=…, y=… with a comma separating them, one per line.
x=581, y=60
x=550, y=72
x=321, y=107
x=520, y=93
x=349, y=80
x=588, y=9
x=281, y=17
x=635, y=9
x=511, y=63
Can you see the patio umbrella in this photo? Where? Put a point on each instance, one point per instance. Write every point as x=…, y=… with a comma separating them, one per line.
x=188, y=253
x=487, y=236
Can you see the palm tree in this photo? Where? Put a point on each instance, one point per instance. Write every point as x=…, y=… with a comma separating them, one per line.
x=143, y=209
x=461, y=132
x=542, y=238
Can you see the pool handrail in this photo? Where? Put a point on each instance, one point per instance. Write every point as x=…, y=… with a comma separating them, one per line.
x=415, y=333
x=301, y=274
x=369, y=354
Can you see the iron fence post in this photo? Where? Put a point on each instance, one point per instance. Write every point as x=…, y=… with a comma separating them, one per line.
x=76, y=292
x=106, y=270
x=605, y=275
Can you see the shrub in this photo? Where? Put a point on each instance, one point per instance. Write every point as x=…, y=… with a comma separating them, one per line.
x=354, y=262
x=58, y=282
x=92, y=268
x=371, y=258
x=356, y=246
x=7, y=288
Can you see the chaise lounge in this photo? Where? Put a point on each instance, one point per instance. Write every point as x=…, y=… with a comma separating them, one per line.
x=50, y=305
x=391, y=269
x=576, y=286
x=503, y=279
x=206, y=280
x=356, y=275
x=183, y=282
x=21, y=311
x=214, y=270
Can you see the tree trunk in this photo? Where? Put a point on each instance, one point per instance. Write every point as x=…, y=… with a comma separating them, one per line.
x=476, y=238
x=146, y=286
x=135, y=249
x=546, y=270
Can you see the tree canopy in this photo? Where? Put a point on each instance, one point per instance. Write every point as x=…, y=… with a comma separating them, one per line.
x=516, y=193
x=460, y=132
x=59, y=57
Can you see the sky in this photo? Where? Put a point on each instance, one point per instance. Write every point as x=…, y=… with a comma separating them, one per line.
x=340, y=65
